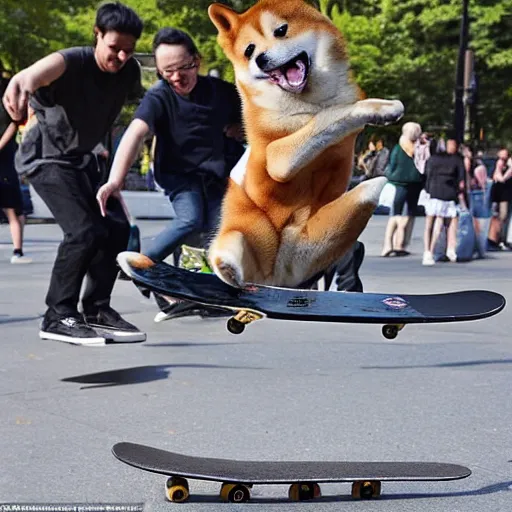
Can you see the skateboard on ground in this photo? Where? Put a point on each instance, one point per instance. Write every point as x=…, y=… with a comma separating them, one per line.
x=255, y=301
x=237, y=477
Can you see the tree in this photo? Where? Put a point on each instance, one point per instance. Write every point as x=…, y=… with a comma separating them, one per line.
x=404, y=50
x=409, y=49
x=29, y=29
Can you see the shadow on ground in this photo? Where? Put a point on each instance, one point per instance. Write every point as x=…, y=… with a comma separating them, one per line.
x=139, y=374
x=7, y=319
x=459, y=364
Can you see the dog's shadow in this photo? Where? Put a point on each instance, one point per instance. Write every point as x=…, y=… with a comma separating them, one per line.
x=138, y=374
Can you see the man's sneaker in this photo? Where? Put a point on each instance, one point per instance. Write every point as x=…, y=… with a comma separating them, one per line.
x=69, y=329
x=110, y=324
x=428, y=259
x=174, y=308
x=18, y=259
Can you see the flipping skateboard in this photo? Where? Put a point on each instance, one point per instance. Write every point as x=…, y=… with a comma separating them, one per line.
x=255, y=301
x=237, y=477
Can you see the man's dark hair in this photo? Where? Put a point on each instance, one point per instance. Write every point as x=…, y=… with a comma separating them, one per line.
x=170, y=35
x=118, y=17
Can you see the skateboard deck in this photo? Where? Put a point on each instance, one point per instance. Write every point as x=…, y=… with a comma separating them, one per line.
x=257, y=301
x=238, y=476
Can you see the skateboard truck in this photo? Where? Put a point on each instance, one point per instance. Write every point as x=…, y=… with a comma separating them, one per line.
x=304, y=491
x=366, y=490
x=390, y=331
x=236, y=324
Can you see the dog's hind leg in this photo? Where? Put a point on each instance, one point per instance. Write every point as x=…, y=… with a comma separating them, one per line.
x=245, y=246
x=238, y=258
x=335, y=227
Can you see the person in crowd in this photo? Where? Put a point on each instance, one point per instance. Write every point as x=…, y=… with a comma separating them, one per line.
x=478, y=188
x=408, y=181
x=444, y=184
x=422, y=152
x=76, y=94
x=380, y=157
x=11, y=200
x=501, y=196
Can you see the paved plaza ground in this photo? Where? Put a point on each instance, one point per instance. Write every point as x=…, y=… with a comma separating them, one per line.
x=280, y=391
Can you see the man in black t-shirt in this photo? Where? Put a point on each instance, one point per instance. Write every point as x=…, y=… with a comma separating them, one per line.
x=196, y=121
x=76, y=94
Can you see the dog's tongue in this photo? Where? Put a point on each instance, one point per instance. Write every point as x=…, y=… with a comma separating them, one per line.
x=291, y=77
x=296, y=73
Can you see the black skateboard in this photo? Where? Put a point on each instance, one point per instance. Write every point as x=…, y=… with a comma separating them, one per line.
x=238, y=476
x=255, y=301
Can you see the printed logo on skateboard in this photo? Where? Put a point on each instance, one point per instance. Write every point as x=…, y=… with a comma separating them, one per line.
x=395, y=302
x=299, y=302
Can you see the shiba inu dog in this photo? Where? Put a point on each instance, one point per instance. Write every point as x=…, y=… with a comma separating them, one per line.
x=288, y=215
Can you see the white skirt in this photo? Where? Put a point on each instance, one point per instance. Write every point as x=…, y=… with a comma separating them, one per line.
x=439, y=208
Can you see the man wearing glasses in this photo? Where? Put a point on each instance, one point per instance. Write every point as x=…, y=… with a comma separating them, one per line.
x=76, y=95
x=196, y=121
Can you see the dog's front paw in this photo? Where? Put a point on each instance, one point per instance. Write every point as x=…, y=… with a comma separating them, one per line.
x=390, y=112
x=393, y=112
x=382, y=112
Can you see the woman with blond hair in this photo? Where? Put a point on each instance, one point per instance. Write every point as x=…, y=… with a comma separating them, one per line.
x=408, y=181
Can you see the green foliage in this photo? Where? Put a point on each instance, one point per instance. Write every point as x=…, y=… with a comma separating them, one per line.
x=406, y=50
x=30, y=28
x=409, y=50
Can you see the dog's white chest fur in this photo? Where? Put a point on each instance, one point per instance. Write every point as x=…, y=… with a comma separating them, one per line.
x=238, y=172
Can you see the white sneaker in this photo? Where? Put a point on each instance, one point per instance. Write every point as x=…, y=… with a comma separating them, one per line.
x=17, y=259
x=428, y=259
x=451, y=255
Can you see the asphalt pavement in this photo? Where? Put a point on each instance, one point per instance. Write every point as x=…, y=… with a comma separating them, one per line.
x=279, y=391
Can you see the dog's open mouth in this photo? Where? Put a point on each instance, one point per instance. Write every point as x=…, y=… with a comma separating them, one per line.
x=292, y=76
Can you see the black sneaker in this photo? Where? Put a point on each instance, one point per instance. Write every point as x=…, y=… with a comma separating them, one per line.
x=109, y=323
x=212, y=312
x=70, y=329
x=174, y=308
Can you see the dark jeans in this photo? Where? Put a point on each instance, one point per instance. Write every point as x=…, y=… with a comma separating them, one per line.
x=91, y=242
x=197, y=207
x=343, y=274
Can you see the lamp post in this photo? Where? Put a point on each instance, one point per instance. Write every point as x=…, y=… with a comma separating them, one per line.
x=459, y=83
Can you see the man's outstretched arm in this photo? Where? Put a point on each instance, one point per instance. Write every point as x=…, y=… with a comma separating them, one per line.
x=26, y=82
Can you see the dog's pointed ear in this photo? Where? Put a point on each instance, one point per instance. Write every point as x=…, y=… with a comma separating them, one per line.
x=224, y=18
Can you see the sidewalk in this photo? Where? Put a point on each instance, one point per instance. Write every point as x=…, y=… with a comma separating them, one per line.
x=280, y=391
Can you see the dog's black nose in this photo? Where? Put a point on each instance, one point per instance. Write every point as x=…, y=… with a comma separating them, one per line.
x=262, y=61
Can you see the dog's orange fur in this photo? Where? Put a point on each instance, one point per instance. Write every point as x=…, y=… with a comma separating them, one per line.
x=291, y=217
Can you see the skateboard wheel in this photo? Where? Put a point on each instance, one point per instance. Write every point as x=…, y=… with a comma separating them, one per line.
x=235, y=326
x=177, y=489
x=235, y=493
x=304, y=491
x=391, y=331
x=366, y=490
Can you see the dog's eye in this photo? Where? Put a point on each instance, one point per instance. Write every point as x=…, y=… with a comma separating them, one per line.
x=281, y=31
x=249, y=51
